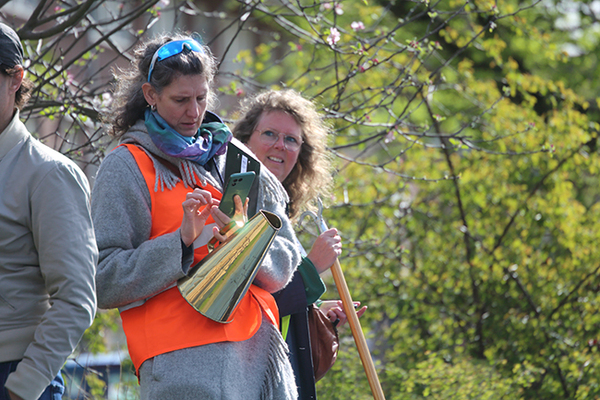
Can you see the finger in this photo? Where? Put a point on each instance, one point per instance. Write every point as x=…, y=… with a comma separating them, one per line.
x=221, y=219
x=191, y=205
x=196, y=207
x=332, y=316
x=237, y=200
x=203, y=195
x=217, y=235
x=360, y=312
x=326, y=305
x=207, y=210
x=339, y=313
x=328, y=234
x=241, y=210
x=341, y=321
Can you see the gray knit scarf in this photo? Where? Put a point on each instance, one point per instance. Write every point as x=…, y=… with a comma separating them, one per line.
x=270, y=189
x=138, y=135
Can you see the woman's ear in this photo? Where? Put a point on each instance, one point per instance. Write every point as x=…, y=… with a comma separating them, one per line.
x=149, y=93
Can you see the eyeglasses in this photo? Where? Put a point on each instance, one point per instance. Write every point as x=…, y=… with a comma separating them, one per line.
x=291, y=143
x=173, y=48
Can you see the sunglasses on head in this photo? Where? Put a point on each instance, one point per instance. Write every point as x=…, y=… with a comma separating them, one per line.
x=173, y=48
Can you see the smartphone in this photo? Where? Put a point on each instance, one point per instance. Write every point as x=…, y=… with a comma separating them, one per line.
x=239, y=160
x=240, y=184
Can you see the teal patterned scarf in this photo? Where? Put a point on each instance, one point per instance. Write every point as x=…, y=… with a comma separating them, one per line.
x=211, y=139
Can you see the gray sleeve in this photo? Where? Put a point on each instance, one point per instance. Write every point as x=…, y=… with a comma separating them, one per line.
x=132, y=267
x=283, y=256
x=62, y=230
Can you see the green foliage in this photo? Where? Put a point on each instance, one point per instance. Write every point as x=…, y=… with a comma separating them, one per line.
x=466, y=153
x=94, y=339
x=66, y=47
x=465, y=137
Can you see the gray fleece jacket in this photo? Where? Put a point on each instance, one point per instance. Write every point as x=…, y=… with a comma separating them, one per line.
x=48, y=258
x=133, y=268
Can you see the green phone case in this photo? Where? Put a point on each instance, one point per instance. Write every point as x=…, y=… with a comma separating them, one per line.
x=240, y=184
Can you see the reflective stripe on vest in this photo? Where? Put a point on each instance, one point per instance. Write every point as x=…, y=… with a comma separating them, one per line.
x=166, y=322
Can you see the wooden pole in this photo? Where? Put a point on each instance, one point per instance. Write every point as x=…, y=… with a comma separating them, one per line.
x=359, y=337
x=348, y=304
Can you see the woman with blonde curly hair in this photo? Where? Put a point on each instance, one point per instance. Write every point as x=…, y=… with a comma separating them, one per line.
x=287, y=134
x=311, y=172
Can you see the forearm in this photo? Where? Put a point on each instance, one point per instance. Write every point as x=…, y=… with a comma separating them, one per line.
x=129, y=275
x=281, y=260
x=313, y=284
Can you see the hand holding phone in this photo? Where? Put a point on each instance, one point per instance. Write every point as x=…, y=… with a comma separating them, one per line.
x=240, y=184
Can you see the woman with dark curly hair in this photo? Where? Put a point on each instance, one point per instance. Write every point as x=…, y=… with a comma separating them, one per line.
x=154, y=206
x=287, y=134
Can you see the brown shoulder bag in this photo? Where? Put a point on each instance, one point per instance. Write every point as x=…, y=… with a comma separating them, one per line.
x=324, y=341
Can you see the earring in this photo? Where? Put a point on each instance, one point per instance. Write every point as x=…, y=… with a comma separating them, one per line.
x=153, y=107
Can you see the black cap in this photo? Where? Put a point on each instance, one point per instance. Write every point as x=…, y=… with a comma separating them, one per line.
x=11, y=51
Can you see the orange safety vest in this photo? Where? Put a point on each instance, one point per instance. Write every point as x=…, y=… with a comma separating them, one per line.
x=167, y=322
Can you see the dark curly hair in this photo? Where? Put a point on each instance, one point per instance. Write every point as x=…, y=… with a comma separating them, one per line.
x=129, y=103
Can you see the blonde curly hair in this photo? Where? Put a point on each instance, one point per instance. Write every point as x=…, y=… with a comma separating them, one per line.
x=312, y=175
